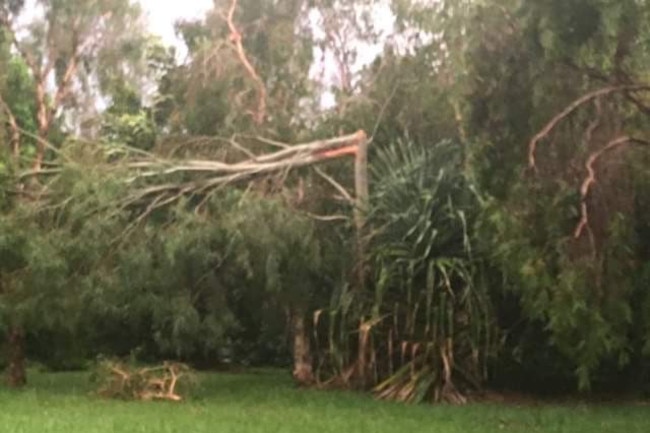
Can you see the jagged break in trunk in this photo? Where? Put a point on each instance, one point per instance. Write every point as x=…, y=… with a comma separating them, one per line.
x=303, y=371
x=16, y=374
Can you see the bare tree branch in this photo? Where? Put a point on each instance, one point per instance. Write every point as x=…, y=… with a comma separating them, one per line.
x=233, y=142
x=590, y=180
x=227, y=173
x=532, y=146
x=326, y=218
x=335, y=184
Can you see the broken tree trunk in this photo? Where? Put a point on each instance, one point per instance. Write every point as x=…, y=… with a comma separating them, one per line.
x=360, y=208
x=303, y=372
x=360, y=211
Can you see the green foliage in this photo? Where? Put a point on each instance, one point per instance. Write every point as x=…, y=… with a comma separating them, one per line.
x=17, y=91
x=425, y=272
x=580, y=289
x=134, y=130
x=215, y=94
x=425, y=319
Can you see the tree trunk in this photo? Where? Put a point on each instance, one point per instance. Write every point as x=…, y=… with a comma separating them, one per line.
x=303, y=371
x=44, y=119
x=360, y=210
x=360, y=213
x=16, y=374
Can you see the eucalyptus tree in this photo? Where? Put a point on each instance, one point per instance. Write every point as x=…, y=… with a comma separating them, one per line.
x=73, y=50
x=65, y=55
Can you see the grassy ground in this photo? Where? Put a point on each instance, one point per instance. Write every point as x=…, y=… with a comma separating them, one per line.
x=250, y=403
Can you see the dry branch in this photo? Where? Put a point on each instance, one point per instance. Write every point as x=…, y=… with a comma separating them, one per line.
x=590, y=180
x=222, y=173
x=119, y=380
x=344, y=193
x=532, y=146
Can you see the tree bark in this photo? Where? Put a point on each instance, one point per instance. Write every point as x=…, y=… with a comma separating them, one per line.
x=303, y=371
x=44, y=118
x=16, y=373
x=360, y=211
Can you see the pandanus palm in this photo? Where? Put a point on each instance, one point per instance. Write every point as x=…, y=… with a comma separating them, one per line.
x=425, y=320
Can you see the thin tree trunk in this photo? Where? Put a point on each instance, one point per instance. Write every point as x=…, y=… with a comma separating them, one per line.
x=360, y=212
x=44, y=122
x=16, y=373
x=361, y=207
x=303, y=371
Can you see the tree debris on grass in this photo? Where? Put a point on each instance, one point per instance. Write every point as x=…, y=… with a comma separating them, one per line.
x=120, y=380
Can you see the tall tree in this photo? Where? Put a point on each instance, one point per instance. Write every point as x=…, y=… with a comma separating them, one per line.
x=70, y=48
x=69, y=52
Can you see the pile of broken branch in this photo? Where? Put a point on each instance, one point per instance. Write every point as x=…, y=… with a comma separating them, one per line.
x=120, y=380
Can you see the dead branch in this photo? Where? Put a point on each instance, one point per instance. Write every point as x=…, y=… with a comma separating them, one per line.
x=271, y=142
x=213, y=175
x=223, y=173
x=590, y=180
x=532, y=146
x=335, y=184
x=326, y=218
x=119, y=380
x=233, y=142
x=236, y=39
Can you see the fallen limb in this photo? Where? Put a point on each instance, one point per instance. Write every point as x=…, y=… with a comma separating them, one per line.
x=221, y=173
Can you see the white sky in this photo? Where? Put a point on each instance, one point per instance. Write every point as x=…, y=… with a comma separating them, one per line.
x=161, y=15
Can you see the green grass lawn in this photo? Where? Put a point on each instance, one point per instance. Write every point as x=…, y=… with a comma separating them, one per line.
x=268, y=402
